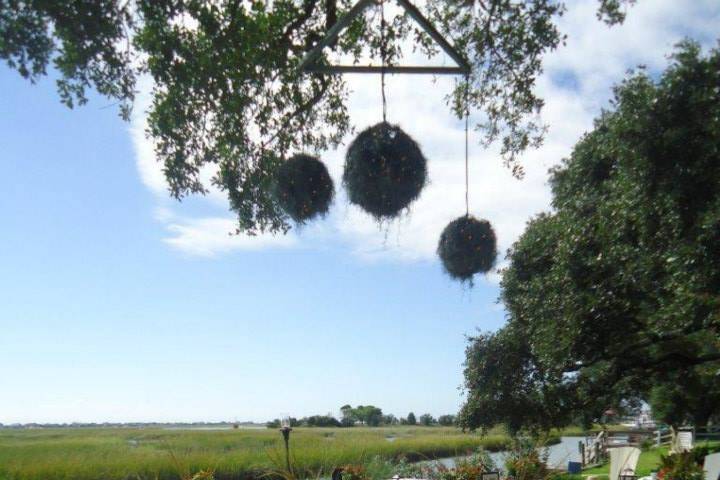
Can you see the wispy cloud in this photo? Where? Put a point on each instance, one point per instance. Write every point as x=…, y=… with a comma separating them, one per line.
x=210, y=236
x=206, y=236
x=576, y=85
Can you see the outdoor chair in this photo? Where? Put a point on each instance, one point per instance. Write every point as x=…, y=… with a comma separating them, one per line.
x=623, y=461
x=711, y=466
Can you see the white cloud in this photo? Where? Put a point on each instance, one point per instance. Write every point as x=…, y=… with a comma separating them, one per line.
x=595, y=58
x=210, y=236
x=150, y=170
x=206, y=236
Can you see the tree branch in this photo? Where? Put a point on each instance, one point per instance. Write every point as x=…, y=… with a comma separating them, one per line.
x=607, y=355
x=682, y=358
x=308, y=9
x=302, y=109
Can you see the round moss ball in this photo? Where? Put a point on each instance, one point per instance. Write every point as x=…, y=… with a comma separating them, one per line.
x=467, y=246
x=385, y=170
x=303, y=187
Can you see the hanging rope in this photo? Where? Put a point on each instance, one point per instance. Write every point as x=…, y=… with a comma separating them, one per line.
x=383, y=53
x=467, y=134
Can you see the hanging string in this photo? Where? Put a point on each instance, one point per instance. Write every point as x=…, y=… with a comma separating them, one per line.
x=467, y=128
x=382, y=58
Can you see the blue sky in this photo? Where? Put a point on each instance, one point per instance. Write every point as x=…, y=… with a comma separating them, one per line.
x=103, y=320
x=119, y=304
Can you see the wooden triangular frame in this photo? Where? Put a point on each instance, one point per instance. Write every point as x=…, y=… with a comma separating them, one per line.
x=310, y=61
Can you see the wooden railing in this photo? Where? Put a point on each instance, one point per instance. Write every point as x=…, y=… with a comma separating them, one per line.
x=663, y=437
x=594, y=449
x=706, y=433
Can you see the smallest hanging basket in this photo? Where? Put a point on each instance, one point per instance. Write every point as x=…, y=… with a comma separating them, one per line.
x=303, y=188
x=467, y=246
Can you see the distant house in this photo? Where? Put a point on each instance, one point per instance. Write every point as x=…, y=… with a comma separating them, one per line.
x=642, y=420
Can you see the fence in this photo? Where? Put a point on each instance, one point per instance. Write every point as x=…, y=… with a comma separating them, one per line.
x=706, y=433
x=594, y=449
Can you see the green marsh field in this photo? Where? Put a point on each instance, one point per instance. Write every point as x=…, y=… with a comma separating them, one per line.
x=148, y=453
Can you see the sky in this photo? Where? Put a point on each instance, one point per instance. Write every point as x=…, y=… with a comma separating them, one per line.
x=120, y=304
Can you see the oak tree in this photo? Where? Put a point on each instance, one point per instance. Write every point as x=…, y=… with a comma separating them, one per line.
x=615, y=294
x=227, y=97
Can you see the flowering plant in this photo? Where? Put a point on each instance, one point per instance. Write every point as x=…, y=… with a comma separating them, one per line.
x=680, y=466
x=354, y=472
x=527, y=461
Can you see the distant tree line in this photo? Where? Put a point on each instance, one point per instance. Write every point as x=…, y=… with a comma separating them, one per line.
x=223, y=424
x=365, y=415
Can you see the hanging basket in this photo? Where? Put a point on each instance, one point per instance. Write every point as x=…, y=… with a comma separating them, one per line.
x=385, y=170
x=467, y=246
x=303, y=188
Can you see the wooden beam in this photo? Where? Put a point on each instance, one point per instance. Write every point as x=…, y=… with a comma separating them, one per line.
x=338, y=69
x=312, y=56
x=430, y=30
x=309, y=61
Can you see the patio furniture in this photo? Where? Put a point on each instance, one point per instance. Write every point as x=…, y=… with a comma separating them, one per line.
x=683, y=441
x=711, y=466
x=623, y=461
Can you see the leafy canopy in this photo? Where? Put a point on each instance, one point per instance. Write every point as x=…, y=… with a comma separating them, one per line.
x=427, y=420
x=369, y=415
x=616, y=294
x=227, y=94
x=411, y=420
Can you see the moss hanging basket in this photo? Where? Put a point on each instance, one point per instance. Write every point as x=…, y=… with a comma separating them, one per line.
x=467, y=246
x=385, y=170
x=303, y=188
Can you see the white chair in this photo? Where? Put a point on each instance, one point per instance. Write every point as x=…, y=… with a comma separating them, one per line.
x=623, y=461
x=711, y=466
x=683, y=442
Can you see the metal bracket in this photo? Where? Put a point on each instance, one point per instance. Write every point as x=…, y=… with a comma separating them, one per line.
x=310, y=61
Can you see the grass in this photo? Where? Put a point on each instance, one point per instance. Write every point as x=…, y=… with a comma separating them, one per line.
x=649, y=460
x=128, y=453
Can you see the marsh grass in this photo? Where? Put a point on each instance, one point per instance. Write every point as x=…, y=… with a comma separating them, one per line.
x=155, y=454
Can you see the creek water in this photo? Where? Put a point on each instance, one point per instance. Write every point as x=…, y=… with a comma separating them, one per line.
x=558, y=455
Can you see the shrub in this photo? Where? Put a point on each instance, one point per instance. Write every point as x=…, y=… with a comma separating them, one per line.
x=526, y=461
x=463, y=472
x=680, y=466
x=480, y=458
x=647, y=444
x=354, y=472
x=469, y=468
x=702, y=451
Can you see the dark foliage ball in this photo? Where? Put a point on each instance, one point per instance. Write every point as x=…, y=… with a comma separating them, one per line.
x=384, y=170
x=467, y=246
x=303, y=187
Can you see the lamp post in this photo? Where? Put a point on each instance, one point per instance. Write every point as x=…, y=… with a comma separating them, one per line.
x=285, y=429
